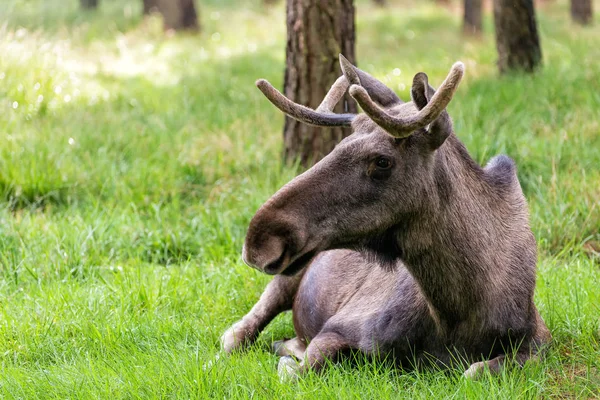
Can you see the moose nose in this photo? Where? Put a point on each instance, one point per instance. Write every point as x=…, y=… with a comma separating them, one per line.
x=270, y=257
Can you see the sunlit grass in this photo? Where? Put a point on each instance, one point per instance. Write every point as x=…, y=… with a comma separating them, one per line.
x=131, y=162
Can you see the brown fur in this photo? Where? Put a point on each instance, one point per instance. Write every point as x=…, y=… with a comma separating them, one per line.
x=440, y=260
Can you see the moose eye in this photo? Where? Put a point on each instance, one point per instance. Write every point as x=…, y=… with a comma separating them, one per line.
x=381, y=168
x=383, y=163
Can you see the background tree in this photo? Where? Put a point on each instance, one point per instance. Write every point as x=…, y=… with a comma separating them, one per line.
x=472, y=16
x=88, y=4
x=177, y=14
x=517, y=37
x=317, y=31
x=581, y=11
x=150, y=6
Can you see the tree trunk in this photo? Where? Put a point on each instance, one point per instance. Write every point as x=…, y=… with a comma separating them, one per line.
x=581, y=11
x=317, y=32
x=178, y=14
x=380, y=3
x=472, y=17
x=88, y=4
x=150, y=6
x=517, y=38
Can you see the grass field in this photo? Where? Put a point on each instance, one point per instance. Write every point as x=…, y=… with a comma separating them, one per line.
x=131, y=163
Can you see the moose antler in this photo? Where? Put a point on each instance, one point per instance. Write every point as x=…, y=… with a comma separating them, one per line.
x=402, y=127
x=322, y=116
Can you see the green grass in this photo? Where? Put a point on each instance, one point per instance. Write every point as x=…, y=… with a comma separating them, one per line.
x=131, y=163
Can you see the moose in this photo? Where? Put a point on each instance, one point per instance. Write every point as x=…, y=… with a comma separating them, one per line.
x=397, y=243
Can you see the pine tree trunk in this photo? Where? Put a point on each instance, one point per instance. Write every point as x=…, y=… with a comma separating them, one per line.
x=178, y=14
x=581, y=11
x=88, y=4
x=517, y=38
x=472, y=17
x=317, y=32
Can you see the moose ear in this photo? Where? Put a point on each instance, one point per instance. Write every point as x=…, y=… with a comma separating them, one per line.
x=421, y=93
x=377, y=90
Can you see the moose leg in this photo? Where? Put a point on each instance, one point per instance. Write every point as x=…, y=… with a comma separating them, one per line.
x=291, y=347
x=325, y=346
x=496, y=364
x=535, y=350
x=277, y=297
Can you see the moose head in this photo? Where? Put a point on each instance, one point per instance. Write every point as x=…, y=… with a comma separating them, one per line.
x=374, y=180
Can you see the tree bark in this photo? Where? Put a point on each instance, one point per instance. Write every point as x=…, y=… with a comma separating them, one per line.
x=517, y=37
x=581, y=11
x=317, y=32
x=88, y=4
x=472, y=17
x=178, y=14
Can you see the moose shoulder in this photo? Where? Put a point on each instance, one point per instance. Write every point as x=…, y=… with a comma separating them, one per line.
x=397, y=242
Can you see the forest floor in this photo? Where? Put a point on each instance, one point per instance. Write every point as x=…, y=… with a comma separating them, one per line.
x=131, y=162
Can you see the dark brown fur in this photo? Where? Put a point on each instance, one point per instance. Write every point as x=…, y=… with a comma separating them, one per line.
x=441, y=260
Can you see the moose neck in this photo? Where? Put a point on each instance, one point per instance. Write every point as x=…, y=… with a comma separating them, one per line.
x=447, y=248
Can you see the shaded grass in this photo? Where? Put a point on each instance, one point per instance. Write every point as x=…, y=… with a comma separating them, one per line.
x=133, y=161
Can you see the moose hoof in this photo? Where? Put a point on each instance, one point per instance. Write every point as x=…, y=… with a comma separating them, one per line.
x=288, y=369
x=234, y=338
x=475, y=370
